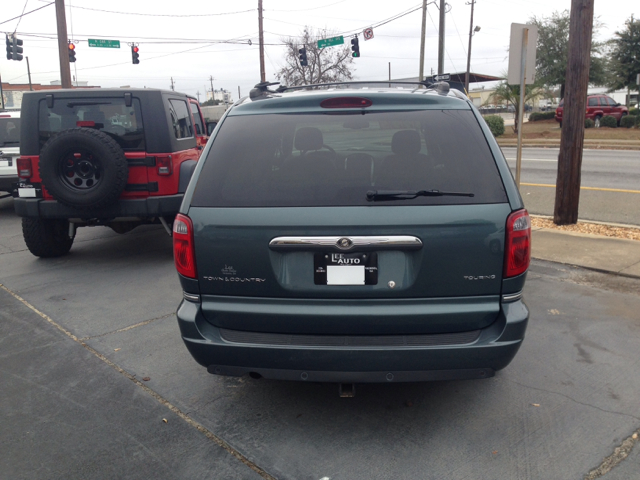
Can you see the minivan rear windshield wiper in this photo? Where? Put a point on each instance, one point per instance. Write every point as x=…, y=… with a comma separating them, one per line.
x=377, y=195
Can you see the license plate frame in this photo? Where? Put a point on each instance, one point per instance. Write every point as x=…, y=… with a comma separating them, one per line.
x=345, y=269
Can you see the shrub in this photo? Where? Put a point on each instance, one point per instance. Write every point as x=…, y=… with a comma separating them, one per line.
x=608, y=121
x=588, y=123
x=536, y=116
x=496, y=124
x=634, y=111
x=629, y=121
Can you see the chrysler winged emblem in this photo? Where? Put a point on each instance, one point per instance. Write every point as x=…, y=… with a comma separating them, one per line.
x=344, y=243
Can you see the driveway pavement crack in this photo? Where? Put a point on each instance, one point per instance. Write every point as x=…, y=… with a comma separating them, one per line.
x=619, y=454
x=576, y=401
x=130, y=327
x=202, y=429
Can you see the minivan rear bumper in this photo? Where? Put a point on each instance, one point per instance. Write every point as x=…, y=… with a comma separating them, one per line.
x=355, y=359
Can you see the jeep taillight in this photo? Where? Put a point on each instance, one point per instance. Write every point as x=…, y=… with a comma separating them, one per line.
x=517, y=244
x=24, y=168
x=164, y=165
x=183, y=249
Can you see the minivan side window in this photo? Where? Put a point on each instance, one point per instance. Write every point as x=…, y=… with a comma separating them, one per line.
x=181, y=119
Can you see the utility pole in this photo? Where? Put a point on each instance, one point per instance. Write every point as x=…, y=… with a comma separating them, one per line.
x=198, y=95
x=239, y=96
x=29, y=73
x=422, y=37
x=211, y=79
x=63, y=45
x=466, y=78
x=443, y=4
x=1, y=94
x=261, y=34
x=575, y=105
x=172, y=86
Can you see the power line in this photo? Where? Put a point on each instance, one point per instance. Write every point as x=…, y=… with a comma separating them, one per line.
x=23, y=14
x=165, y=14
x=307, y=9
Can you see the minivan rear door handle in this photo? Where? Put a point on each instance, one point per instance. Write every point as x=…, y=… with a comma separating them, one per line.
x=346, y=243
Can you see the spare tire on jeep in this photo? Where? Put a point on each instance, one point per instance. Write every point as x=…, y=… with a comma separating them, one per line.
x=83, y=168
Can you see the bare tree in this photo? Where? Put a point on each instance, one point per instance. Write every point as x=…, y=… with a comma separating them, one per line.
x=330, y=64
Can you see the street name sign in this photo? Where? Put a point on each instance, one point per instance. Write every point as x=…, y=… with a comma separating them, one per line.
x=104, y=43
x=330, y=42
x=443, y=77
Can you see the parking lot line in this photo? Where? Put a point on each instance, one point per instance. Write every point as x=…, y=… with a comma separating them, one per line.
x=618, y=190
x=207, y=433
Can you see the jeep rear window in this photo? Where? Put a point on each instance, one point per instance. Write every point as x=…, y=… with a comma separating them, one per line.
x=9, y=132
x=285, y=160
x=108, y=115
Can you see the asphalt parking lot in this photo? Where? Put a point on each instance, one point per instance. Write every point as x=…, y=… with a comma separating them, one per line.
x=96, y=383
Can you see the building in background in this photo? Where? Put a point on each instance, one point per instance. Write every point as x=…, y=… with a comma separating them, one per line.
x=222, y=95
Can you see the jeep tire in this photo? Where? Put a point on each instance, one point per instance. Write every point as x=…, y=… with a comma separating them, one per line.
x=46, y=238
x=83, y=168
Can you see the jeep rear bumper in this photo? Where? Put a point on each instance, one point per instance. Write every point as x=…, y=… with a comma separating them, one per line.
x=160, y=206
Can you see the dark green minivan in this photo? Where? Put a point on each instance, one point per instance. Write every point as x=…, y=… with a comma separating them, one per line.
x=343, y=234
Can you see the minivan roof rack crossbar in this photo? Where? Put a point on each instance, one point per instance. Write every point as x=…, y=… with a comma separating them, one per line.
x=263, y=88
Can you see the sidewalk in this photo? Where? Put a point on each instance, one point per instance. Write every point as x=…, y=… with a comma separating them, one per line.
x=597, y=252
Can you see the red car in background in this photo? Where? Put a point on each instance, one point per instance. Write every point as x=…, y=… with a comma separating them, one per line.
x=597, y=107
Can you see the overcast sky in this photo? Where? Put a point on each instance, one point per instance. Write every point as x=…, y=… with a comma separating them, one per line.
x=158, y=25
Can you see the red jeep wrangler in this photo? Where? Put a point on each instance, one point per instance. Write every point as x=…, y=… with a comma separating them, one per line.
x=114, y=157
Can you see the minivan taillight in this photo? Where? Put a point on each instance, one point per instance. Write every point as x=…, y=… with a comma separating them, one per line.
x=517, y=244
x=24, y=168
x=183, y=249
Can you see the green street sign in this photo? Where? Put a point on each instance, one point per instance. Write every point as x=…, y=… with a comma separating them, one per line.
x=330, y=42
x=104, y=43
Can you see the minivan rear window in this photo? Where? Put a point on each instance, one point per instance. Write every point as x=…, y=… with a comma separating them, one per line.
x=296, y=160
x=108, y=115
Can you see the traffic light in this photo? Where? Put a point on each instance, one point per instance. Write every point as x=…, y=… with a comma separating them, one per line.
x=13, y=48
x=303, y=57
x=72, y=52
x=135, y=54
x=355, y=47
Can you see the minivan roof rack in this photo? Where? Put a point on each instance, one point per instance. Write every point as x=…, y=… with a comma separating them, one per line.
x=262, y=89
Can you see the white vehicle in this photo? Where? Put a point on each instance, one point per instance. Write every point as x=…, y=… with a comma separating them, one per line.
x=9, y=148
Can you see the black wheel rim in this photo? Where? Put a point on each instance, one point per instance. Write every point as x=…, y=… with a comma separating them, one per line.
x=79, y=169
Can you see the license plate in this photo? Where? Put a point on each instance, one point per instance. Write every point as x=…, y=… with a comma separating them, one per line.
x=27, y=193
x=26, y=190
x=346, y=268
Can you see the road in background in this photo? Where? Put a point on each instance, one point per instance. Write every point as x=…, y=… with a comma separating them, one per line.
x=610, y=183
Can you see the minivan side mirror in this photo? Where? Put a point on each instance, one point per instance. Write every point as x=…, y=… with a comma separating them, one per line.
x=211, y=127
